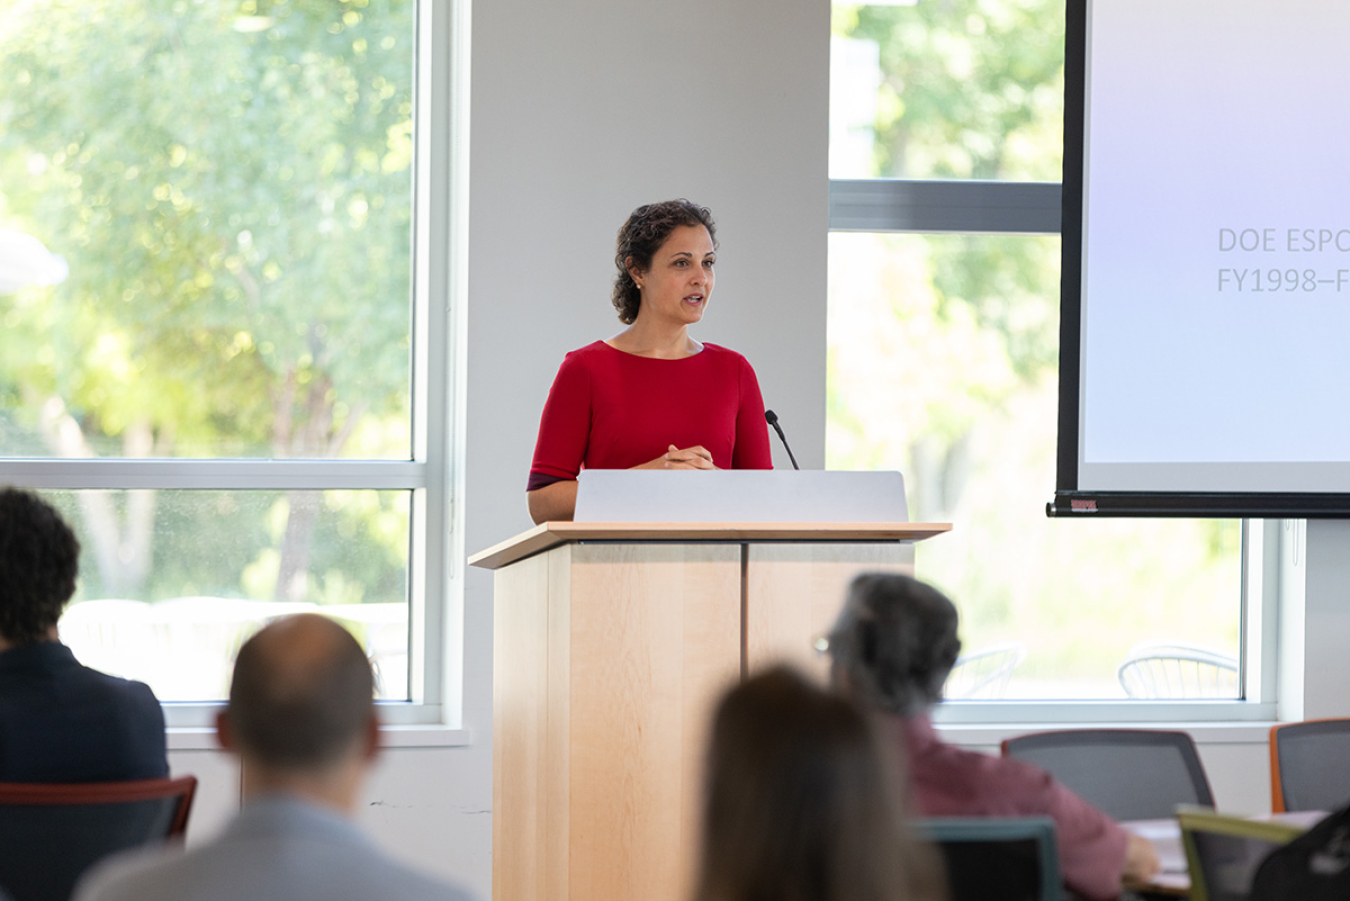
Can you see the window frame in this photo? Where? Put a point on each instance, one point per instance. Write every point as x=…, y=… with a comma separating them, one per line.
x=923, y=206
x=435, y=594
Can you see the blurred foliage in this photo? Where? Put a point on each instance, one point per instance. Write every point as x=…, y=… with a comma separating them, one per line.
x=968, y=88
x=943, y=364
x=225, y=543
x=941, y=400
x=230, y=182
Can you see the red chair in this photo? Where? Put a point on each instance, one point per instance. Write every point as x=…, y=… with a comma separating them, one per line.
x=51, y=834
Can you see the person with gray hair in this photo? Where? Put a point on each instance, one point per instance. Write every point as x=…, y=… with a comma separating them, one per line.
x=892, y=648
x=301, y=718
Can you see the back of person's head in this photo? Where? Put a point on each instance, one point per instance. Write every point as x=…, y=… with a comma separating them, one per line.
x=39, y=560
x=894, y=643
x=802, y=802
x=302, y=696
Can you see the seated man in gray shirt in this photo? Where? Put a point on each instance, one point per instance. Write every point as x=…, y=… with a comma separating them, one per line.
x=301, y=717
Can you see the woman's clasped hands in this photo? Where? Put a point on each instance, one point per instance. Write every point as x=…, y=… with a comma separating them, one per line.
x=696, y=457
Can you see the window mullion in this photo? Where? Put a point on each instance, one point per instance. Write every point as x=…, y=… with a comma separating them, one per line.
x=214, y=474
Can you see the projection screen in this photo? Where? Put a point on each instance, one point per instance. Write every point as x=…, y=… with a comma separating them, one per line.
x=1205, y=330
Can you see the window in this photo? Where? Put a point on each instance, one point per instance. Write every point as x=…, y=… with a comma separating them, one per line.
x=947, y=89
x=943, y=338
x=227, y=371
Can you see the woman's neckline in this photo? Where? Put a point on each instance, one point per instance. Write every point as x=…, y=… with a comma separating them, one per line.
x=701, y=347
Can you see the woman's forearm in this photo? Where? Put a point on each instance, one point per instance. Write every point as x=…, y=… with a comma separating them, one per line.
x=553, y=503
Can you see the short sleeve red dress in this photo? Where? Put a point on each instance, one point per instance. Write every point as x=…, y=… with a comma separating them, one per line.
x=609, y=409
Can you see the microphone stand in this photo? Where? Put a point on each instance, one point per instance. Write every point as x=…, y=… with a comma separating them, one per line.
x=772, y=419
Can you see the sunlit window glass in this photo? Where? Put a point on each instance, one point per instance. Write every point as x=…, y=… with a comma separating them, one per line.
x=171, y=583
x=947, y=89
x=942, y=364
x=205, y=228
x=206, y=259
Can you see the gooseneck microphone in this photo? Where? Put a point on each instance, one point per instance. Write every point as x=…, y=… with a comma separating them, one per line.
x=772, y=419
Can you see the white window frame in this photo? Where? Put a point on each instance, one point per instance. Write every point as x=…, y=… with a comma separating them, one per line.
x=918, y=206
x=435, y=593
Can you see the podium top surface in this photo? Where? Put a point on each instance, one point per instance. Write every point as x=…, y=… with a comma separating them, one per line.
x=551, y=534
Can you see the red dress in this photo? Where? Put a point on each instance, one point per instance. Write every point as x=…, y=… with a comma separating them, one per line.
x=609, y=409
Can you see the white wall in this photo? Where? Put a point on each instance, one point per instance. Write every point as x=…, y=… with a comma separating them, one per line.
x=1321, y=666
x=579, y=112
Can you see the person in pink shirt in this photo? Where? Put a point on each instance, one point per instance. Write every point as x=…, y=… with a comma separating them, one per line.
x=891, y=649
x=651, y=397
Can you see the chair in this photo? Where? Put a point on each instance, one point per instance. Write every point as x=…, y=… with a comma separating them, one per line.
x=984, y=673
x=992, y=859
x=1308, y=768
x=1165, y=669
x=1130, y=774
x=1223, y=852
x=50, y=834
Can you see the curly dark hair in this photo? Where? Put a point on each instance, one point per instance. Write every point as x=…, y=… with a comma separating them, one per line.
x=895, y=642
x=39, y=560
x=639, y=239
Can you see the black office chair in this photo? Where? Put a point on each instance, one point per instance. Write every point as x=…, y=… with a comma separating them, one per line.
x=1308, y=768
x=995, y=859
x=51, y=834
x=1130, y=774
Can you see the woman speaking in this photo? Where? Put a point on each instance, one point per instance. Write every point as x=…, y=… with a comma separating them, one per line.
x=651, y=397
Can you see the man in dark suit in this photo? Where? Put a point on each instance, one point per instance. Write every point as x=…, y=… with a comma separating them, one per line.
x=60, y=721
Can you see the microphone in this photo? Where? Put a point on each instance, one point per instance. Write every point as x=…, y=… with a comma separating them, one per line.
x=772, y=419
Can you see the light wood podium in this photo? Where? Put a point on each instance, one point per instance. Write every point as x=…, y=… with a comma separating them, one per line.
x=612, y=641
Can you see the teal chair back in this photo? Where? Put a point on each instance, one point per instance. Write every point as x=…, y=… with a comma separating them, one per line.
x=997, y=859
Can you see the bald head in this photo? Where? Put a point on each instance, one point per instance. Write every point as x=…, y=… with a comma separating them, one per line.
x=302, y=694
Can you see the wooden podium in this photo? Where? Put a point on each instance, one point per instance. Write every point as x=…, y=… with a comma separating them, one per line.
x=612, y=642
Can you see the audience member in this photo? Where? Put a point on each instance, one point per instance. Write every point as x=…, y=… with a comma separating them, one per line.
x=60, y=721
x=301, y=718
x=803, y=804
x=892, y=648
